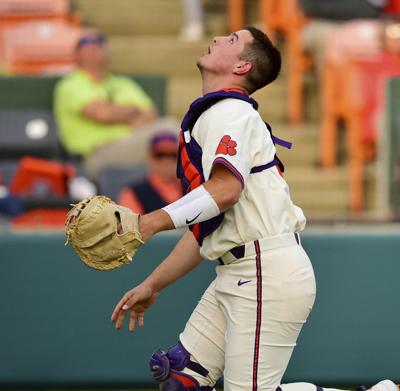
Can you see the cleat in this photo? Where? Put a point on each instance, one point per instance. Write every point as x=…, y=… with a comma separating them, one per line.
x=385, y=385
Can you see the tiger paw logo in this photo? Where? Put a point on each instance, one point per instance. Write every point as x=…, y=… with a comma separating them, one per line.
x=226, y=146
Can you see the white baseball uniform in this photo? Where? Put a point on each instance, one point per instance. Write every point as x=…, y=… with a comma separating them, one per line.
x=247, y=322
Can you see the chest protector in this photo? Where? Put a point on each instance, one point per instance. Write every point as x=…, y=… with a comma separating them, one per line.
x=190, y=169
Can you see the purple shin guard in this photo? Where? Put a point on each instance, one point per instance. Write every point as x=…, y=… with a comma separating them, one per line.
x=159, y=365
x=167, y=367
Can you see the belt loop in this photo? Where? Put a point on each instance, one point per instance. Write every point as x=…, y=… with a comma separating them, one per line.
x=238, y=252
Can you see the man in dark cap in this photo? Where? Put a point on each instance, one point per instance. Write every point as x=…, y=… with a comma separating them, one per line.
x=161, y=186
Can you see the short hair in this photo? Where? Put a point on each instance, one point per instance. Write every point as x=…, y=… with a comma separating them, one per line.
x=265, y=59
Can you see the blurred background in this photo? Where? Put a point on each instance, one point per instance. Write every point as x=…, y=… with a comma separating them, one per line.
x=92, y=93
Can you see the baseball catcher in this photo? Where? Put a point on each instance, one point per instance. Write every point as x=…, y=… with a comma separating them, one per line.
x=103, y=234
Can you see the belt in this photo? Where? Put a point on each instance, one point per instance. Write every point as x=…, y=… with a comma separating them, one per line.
x=265, y=244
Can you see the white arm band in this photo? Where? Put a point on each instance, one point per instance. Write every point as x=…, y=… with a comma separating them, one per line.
x=194, y=207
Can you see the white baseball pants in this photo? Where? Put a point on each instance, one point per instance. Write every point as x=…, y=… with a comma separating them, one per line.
x=247, y=322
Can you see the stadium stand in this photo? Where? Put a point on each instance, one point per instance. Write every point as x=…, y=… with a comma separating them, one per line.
x=16, y=13
x=285, y=18
x=42, y=186
x=28, y=125
x=347, y=93
x=138, y=46
x=355, y=95
x=49, y=49
x=29, y=9
x=21, y=92
x=8, y=169
x=390, y=149
x=27, y=130
x=113, y=179
x=361, y=56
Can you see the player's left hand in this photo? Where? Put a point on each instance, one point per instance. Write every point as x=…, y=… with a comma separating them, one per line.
x=136, y=301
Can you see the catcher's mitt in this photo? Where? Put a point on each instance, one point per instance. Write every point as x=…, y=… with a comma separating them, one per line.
x=104, y=235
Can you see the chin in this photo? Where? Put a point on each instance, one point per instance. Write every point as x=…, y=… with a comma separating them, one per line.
x=203, y=65
x=200, y=62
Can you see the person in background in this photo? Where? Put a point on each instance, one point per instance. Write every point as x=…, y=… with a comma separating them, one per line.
x=326, y=16
x=193, y=27
x=104, y=118
x=161, y=186
x=364, y=39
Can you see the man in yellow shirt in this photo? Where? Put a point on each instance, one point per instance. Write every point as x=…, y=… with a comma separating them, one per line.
x=96, y=111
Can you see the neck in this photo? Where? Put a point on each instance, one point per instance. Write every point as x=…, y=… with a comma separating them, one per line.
x=95, y=73
x=212, y=84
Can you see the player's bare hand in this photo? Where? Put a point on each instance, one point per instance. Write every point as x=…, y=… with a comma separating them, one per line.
x=134, y=302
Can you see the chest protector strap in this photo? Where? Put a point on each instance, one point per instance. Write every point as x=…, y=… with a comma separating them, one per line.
x=189, y=167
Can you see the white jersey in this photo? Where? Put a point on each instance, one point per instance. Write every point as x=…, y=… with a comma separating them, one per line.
x=232, y=133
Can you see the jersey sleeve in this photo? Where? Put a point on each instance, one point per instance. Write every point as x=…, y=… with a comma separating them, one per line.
x=232, y=139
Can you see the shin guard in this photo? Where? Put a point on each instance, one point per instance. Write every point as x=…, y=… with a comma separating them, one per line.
x=167, y=368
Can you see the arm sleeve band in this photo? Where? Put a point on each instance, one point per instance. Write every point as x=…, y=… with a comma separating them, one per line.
x=194, y=207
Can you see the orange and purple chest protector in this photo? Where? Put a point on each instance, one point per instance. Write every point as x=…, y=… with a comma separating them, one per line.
x=190, y=169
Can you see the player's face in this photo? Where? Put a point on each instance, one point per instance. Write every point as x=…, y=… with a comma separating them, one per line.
x=223, y=54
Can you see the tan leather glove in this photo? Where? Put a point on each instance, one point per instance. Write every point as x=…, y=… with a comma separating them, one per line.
x=103, y=234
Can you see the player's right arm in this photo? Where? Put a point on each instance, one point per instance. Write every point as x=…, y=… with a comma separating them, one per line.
x=218, y=194
x=182, y=259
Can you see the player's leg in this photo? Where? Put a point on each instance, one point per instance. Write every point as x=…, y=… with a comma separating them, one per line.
x=267, y=298
x=302, y=386
x=197, y=360
x=384, y=385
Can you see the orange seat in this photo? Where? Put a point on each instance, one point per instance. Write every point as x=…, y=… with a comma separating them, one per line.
x=22, y=8
x=34, y=172
x=39, y=177
x=14, y=13
x=50, y=47
x=354, y=93
x=283, y=17
x=236, y=15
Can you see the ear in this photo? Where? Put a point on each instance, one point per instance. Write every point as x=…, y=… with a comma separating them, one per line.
x=242, y=68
